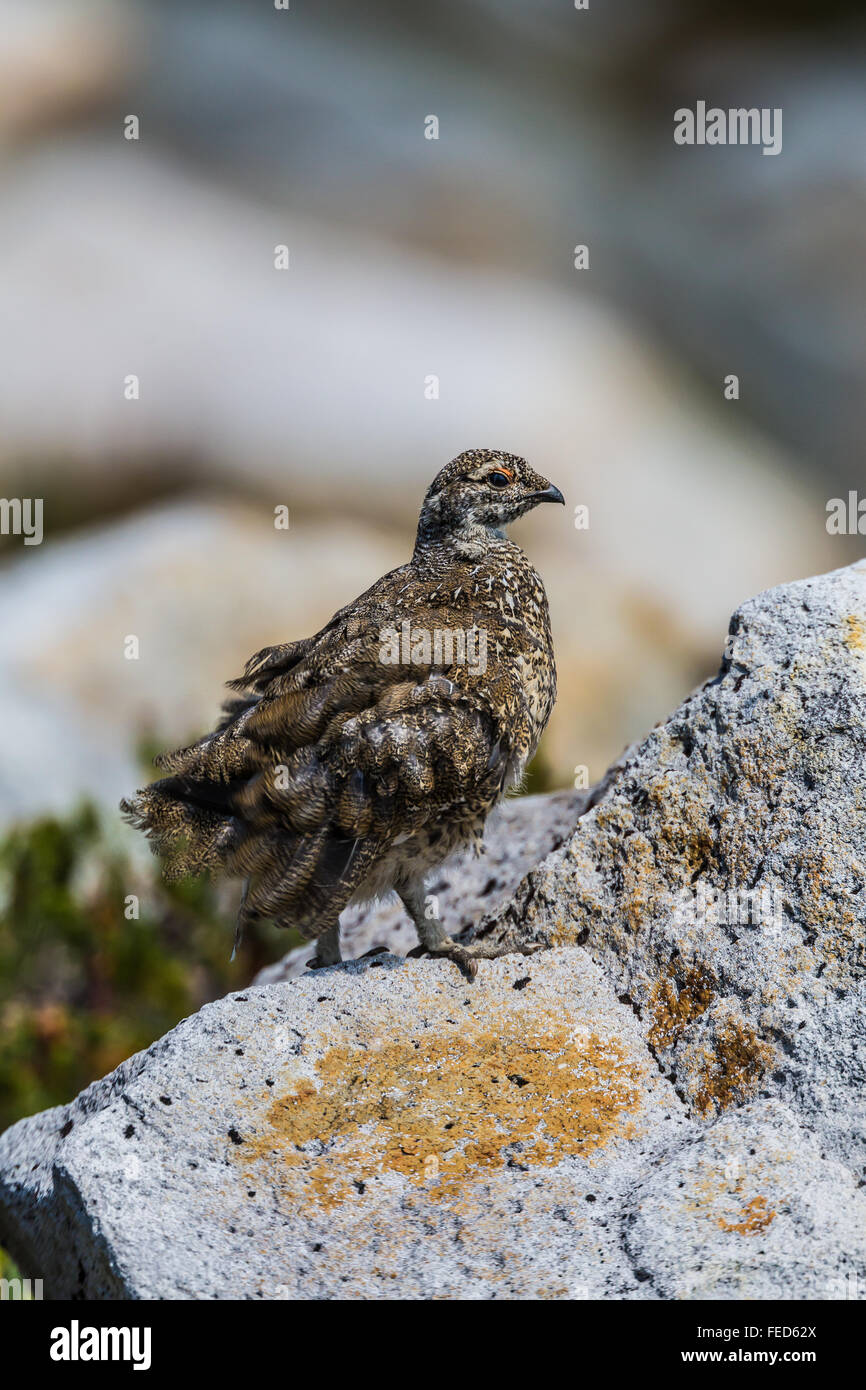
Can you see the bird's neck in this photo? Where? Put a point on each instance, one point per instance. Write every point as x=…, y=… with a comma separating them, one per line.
x=469, y=538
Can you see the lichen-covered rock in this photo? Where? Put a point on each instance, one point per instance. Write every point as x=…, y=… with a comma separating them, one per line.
x=378, y=1129
x=752, y=1209
x=719, y=880
x=666, y=1103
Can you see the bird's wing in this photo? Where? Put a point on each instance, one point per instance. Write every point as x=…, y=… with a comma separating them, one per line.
x=316, y=821
x=330, y=753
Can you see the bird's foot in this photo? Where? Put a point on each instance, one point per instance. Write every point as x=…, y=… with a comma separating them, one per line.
x=466, y=958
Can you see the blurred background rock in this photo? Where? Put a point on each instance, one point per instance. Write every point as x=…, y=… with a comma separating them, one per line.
x=409, y=257
x=305, y=388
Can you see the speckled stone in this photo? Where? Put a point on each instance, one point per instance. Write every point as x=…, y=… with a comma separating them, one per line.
x=754, y=789
x=665, y=1103
x=465, y=1141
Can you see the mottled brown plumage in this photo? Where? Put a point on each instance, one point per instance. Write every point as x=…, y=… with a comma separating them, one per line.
x=354, y=761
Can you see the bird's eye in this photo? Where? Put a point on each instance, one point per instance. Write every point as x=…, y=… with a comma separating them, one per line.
x=498, y=479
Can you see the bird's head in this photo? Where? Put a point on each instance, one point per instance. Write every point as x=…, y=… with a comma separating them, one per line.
x=475, y=496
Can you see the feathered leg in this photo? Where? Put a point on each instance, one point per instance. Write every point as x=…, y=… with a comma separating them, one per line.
x=327, y=948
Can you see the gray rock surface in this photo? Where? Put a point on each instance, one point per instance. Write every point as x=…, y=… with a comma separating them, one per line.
x=720, y=880
x=752, y=1208
x=278, y=1143
x=666, y=1103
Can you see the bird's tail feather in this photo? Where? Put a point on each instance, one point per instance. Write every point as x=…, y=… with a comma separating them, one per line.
x=190, y=823
x=295, y=879
x=300, y=881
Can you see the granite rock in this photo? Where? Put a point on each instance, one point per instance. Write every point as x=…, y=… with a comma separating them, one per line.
x=719, y=880
x=665, y=1103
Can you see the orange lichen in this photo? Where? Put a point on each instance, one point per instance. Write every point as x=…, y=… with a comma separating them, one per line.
x=854, y=635
x=756, y=1217
x=731, y=1072
x=675, y=1003
x=445, y=1109
x=679, y=807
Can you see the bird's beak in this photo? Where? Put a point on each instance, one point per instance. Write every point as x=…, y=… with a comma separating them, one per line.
x=550, y=494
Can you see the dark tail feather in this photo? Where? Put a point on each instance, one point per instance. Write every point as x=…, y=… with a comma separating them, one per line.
x=300, y=881
x=293, y=876
x=191, y=823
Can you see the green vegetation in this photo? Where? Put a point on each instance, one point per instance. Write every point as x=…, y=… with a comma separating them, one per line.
x=83, y=985
x=8, y=1267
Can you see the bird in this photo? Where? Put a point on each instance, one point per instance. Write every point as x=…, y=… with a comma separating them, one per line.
x=352, y=763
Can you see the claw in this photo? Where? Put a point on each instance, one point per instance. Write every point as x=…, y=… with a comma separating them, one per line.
x=465, y=962
x=466, y=958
